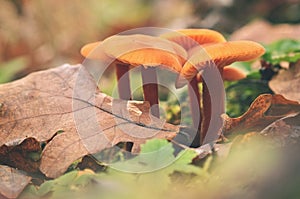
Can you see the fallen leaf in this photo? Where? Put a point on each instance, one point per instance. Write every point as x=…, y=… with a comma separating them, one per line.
x=265, y=110
x=287, y=82
x=283, y=132
x=12, y=182
x=65, y=107
x=267, y=33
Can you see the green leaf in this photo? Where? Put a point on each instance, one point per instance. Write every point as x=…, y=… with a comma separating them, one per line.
x=282, y=50
x=29, y=192
x=154, y=155
x=66, y=179
x=155, y=145
x=45, y=188
x=84, y=178
x=158, y=155
x=183, y=162
x=157, y=161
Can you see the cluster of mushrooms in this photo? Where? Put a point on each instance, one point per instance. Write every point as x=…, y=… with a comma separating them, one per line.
x=186, y=52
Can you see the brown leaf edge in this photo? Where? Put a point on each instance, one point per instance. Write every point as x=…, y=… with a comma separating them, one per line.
x=263, y=111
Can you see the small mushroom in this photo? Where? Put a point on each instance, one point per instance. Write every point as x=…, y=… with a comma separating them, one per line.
x=189, y=39
x=139, y=49
x=219, y=55
x=149, y=52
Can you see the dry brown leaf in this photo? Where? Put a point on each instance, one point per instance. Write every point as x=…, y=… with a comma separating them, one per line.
x=287, y=82
x=284, y=132
x=265, y=110
x=12, y=182
x=267, y=33
x=18, y=156
x=67, y=100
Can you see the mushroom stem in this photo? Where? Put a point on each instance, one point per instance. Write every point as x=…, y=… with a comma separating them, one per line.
x=205, y=114
x=194, y=96
x=123, y=81
x=150, y=88
x=122, y=71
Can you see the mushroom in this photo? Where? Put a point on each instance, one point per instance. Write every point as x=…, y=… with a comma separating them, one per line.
x=147, y=51
x=219, y=55
x=189, y=39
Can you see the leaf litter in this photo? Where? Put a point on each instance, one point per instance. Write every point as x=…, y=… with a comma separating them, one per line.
x=72, y=118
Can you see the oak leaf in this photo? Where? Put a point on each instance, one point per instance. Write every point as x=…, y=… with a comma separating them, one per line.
x=64, y=107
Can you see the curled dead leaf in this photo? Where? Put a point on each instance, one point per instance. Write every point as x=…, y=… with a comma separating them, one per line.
x=265, y=110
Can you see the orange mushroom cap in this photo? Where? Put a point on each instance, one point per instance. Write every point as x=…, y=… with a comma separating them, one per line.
x=230, y=73
x=86, y=49
x=94, y=51
x=189, y=38
x=233, y=74
x=145, y=50
x=220, y=54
